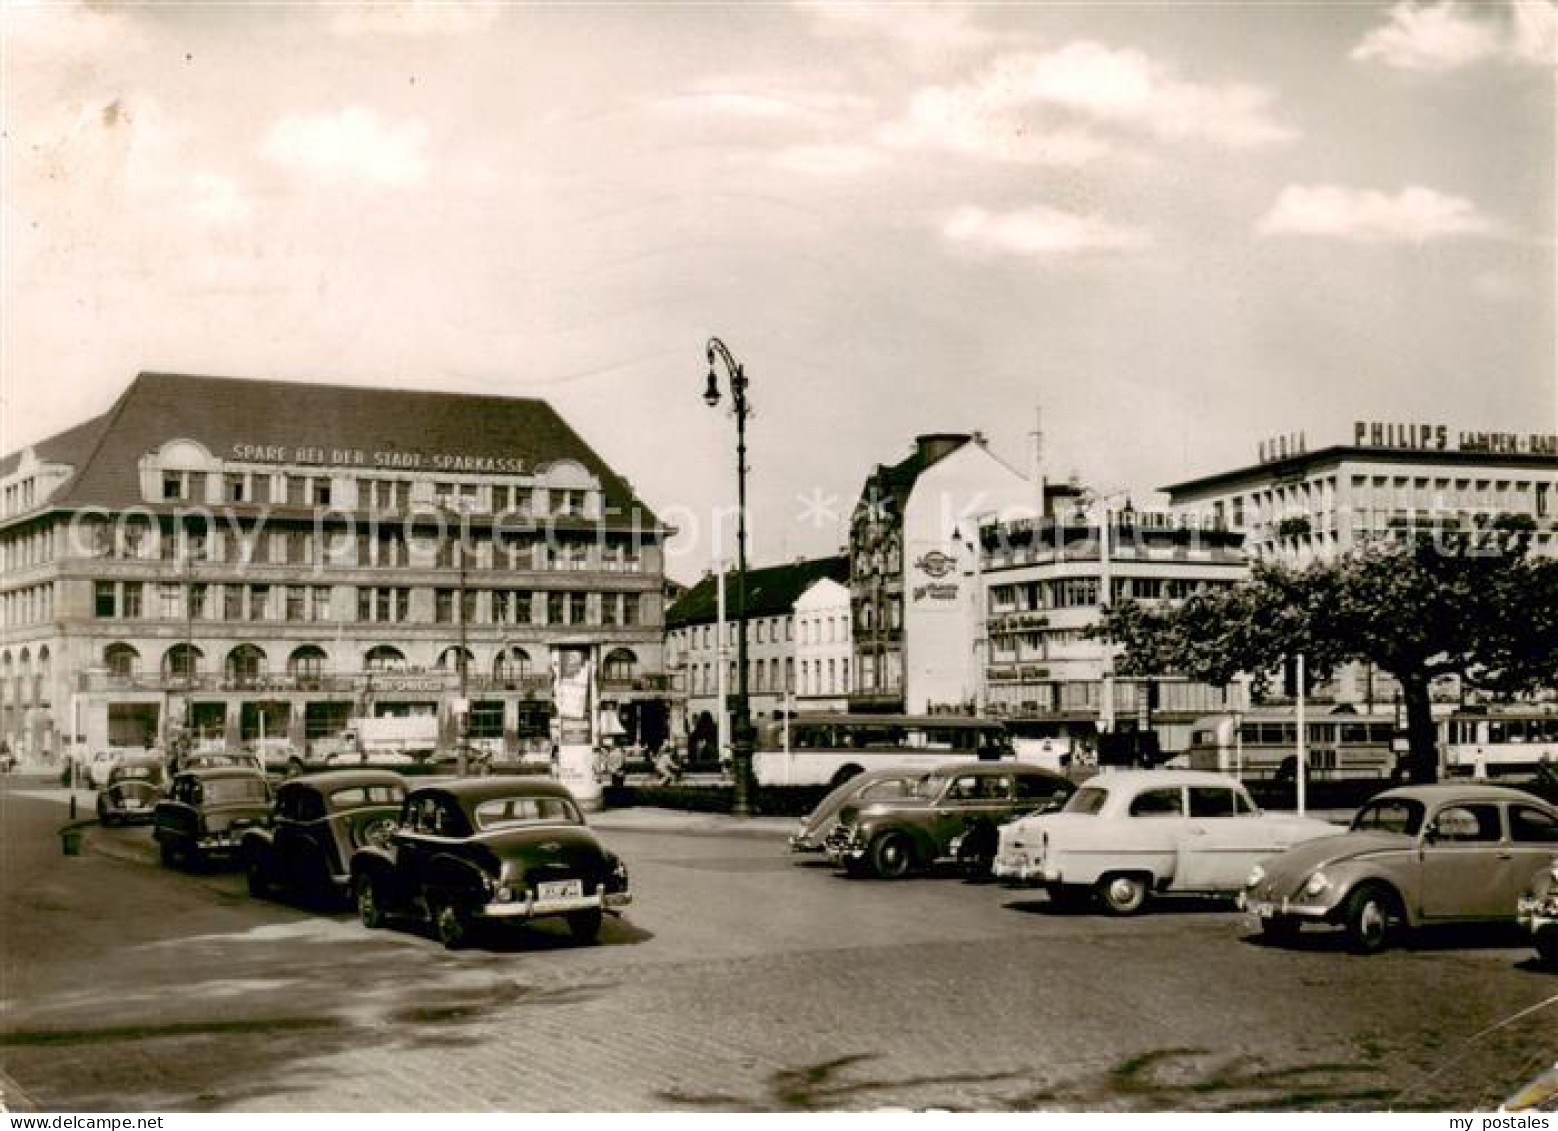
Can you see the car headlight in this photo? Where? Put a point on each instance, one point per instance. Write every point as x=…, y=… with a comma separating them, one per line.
x=1256, y=876
x=1316, y=884
x=619, y=873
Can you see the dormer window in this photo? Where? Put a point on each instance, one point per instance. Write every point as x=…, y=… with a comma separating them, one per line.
x=173, y=485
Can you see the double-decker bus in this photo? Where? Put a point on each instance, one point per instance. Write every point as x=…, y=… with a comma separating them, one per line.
x=1498, y=741
x=830, y=749
x=1262, y=744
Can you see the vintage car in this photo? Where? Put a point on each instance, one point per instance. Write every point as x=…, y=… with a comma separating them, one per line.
x=206, y=812
x=490, y=850
x=316, y=823
x=1128, y=835
x=1537, y=911
x=1416, y=855
x=952, y=814
x=862, y=789
x=133, y=790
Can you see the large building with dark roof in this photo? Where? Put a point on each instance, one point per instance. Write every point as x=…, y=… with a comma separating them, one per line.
x=243, y=560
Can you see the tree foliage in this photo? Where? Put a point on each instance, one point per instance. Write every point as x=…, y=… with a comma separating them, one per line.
x=1478, y=607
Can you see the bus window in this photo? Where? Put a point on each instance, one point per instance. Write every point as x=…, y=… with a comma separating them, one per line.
x=1321, y=734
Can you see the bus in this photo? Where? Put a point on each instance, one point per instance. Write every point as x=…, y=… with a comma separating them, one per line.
x=1261, y=744
x=1500, y=741
x=831, y=749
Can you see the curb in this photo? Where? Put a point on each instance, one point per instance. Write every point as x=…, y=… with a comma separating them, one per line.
x=12, y=1097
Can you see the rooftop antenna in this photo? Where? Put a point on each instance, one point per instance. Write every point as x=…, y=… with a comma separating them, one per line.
x=1037, y=436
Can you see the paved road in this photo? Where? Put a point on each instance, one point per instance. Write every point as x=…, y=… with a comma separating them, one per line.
x=738, y=980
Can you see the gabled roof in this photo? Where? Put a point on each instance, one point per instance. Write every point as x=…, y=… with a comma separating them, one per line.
x=771, y=591
x=223, y=412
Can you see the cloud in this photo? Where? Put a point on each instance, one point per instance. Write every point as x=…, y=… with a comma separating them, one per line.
x=1051, y=106
x=1413, y=215
x=828, y=160
x=1038, y=231
x=1449, y=36
x=413, y=18
x=351, y=145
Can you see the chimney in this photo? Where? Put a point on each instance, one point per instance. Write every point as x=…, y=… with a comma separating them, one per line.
x=934, y=446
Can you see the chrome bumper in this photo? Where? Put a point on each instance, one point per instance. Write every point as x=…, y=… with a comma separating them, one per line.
x=532, y=908
x=1281, y=909
x=1021, y=866
x=1537, y=914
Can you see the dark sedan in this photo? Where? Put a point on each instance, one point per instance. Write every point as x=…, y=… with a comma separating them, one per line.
x=207, y=811
x=490, y=850
x=317, y=822
x=954, y=813
x=864, y=788
x=131, y=795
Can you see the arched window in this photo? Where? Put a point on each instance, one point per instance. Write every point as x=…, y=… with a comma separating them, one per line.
x=245, y=664
x=121, y=660
x=384, y=658
x=307, y=661
x=449, y=660
x=620, y=665
x=512, y=662
x=182, y=660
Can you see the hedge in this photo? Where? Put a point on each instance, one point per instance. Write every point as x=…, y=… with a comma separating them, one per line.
x=770, y=801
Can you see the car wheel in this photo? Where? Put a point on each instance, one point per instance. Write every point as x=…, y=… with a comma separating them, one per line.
x=454, y=929
x=1278, y=930
x=1123, y=893
x=1547, y=946
x=369, y=910
x=1368, y=916
x=167, y=853
x=892, y=855
x=585, y=925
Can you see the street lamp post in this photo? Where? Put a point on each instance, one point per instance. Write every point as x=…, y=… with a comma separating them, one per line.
x=741, y=724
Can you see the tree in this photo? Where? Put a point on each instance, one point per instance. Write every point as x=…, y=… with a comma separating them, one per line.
x=1476, y=606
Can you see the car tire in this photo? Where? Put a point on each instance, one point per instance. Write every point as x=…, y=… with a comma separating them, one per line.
x=585, y=925
x=370, y=910
x=1123, y=893
x=452, y=925
x=892, y=856
x=167, y=853
x=1367, y=918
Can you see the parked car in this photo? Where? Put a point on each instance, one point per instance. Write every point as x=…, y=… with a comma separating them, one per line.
x=862, y=789
x=1457, y=852
x=206, y=812
x=221, y=759
x=1126, y=836
x=133, y=790
x=1537, y=911
x=490, y=850
x=316, y=823
x=952, y=814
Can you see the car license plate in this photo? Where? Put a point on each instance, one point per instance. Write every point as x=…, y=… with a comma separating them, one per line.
x=1262, y=910
x=132, y=804
x=560, y=889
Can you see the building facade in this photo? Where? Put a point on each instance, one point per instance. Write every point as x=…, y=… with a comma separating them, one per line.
x=1045, y=584
x=912, y=589
x=697, y=648
x=824, y=647
x=258, y=561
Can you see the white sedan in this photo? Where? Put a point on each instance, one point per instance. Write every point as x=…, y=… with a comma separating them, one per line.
x=1125, y=836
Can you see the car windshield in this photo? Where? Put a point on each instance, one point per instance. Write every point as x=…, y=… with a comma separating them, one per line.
x=226, y=791
x=1089, y=799
x=504, y=812
x=1396, y=815
x=359, y=795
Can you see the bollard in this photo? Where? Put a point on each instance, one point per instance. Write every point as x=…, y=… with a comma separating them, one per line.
x=70, y=841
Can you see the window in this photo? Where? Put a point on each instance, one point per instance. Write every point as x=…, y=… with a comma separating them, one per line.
x=234, y=488
x=610, y=603
x=321, y=492
x=620, y=666
x=103, y=602
x=197, y=601
x=172, y=485
x=169, y=604
x=297, y=603
x=131, y=605
x=631, y=611
x=443, y=606
x=321, y=610
x=577, y=608
x=297, y=491
x=1528, y=825
x=554, y=608
x=1212, y=801
x=1460, y=823
x=1158, y=803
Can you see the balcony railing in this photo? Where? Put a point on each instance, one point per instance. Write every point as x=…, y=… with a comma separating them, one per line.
x=333, y=682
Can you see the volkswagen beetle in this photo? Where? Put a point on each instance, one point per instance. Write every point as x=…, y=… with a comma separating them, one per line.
x=134, y=787
x=1418, y=855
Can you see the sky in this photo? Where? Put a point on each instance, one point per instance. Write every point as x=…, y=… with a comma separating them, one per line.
x=1168, y=230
